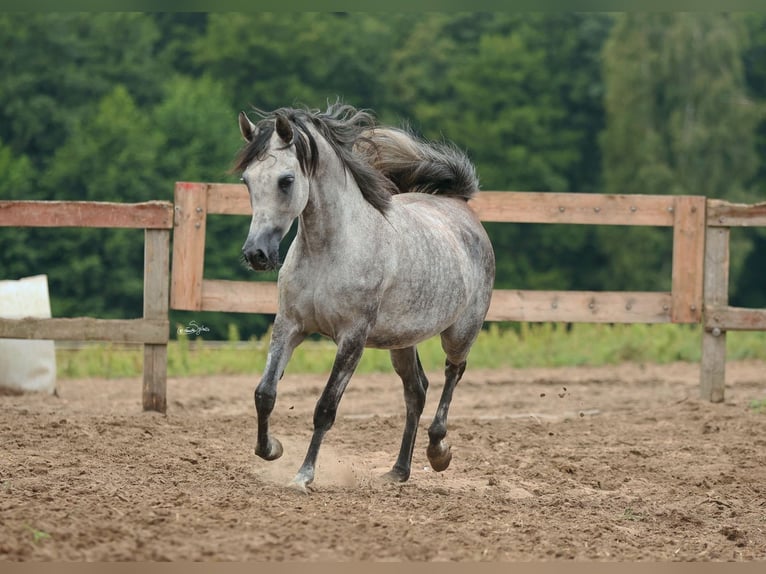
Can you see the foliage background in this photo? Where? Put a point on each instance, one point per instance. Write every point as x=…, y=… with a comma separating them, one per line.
x=119, y=106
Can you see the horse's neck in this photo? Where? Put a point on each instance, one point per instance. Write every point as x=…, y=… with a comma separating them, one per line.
x=336, y=212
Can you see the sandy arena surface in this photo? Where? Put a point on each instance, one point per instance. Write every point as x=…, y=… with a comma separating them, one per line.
x=613, y=463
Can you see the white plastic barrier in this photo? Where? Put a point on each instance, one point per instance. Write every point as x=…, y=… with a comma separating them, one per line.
x=26, y=365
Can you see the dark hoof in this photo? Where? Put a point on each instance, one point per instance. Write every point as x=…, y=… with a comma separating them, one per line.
x=439, y=455
x=273, y=452
x=396, y=475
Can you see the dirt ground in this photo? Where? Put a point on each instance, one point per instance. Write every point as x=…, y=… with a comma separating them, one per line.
x=614, y=463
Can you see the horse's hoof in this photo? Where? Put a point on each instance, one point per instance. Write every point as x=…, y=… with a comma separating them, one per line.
x=395, y=476
x=299, y=484
x=298, y=487
x=273, y=451
x=439, y=455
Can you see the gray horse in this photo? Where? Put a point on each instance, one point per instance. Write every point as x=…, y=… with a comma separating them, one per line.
x=387, y=254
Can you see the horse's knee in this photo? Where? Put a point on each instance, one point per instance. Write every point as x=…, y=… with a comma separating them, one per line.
x=455, y=369
x=264, y=400
x=415, y=401
x=324, y=417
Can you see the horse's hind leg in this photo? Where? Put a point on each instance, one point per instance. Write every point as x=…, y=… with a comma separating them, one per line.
x=456, y=342
x=407, y=365
x=438, y=451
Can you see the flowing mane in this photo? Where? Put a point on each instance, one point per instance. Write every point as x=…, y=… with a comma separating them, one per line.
x=383, y=161
x=341, y=126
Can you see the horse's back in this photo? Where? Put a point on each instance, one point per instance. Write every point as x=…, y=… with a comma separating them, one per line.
x=449, y=224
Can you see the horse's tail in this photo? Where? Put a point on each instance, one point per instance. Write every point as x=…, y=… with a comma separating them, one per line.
x=415, y=165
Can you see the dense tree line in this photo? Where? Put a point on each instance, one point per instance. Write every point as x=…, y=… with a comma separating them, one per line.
x=117, y=107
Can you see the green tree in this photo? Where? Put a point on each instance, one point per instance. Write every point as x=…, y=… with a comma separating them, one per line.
x=57, y=66
x=750, y=281
x=270, y=60
x=679, y=122
x=17, y=253
x=679, y=119
x=199, y=128
x=111, y=156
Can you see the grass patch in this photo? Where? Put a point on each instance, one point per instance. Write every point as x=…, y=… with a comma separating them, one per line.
x=633, y=516
x=38, y=535
x=501, y=345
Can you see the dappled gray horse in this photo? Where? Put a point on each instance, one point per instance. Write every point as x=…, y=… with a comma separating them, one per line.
x=387, y=254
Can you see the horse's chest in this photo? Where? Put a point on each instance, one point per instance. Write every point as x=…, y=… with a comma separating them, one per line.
x=326, y=302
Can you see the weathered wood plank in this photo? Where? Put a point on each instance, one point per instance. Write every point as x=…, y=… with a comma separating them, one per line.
x=579, y=306
x=713, y=360
x=515, y=206
x=156, y=285
x=147, y=215
x=228, y=199
x=724, y=214
x=688, y=258
x=188, y=246
x=574, y=208
x=156, y=273
x=239, y=296
x=87, y=329
x=507, y=305
x=728, y=318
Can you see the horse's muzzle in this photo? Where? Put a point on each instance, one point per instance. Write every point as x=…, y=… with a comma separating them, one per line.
x=261, y=261
x=262, y=252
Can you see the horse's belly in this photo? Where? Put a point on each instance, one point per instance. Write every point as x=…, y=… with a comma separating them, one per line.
x=398, y=339
x=407, y=323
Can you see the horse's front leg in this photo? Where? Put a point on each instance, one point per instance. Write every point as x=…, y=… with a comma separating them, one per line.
x=350, y=350
x=285, y=336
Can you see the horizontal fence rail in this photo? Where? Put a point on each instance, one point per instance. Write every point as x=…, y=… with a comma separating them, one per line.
x=86, y=329
x=147, y=215
x=156, y=218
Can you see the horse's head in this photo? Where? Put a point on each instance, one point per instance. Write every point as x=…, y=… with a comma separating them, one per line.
x=278, y=187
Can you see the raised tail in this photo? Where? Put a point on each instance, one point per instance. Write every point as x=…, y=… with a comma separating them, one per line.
x=416, y=165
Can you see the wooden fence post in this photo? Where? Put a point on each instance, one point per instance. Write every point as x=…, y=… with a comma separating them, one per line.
x=156, y=281
x=688, y=258
x=188, y=245
x=716, y=294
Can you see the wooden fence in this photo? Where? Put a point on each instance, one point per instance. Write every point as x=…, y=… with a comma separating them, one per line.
x=156, y=218
x=190, y=290
x=719, y=317
x=699, y=281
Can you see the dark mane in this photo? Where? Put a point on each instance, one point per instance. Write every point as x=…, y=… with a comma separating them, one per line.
x=341, y=126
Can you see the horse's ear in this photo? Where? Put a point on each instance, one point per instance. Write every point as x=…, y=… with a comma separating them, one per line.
x=284, y=129
x=247, y=128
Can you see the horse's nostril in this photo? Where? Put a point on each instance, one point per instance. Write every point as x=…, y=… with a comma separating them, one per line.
x=258, y=259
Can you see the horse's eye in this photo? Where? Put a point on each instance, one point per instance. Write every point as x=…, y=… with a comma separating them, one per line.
x=285, y=182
